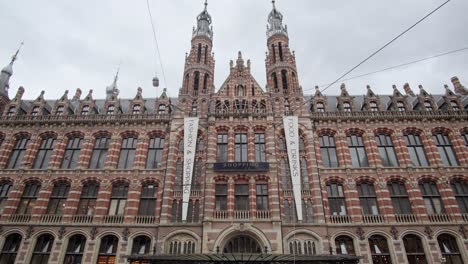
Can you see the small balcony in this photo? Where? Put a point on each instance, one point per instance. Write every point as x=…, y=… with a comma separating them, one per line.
x=340, y=219
x=82, y=219
x=51, y=218
x=241, y=214
x=145, y=219
x=262, y=214
x=440, y=218
x=373, y=219
x=221, y=214
x=113, y=219
x=406, y=218
x=20, y=218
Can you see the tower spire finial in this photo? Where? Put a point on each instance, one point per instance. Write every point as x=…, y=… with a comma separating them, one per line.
x=206, y=4
x=13, y=59
x=273, y=2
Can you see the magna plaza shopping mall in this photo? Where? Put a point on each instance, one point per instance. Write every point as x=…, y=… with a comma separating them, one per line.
x=238, y=174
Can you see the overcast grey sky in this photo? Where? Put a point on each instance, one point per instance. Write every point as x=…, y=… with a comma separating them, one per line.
x=71, y=44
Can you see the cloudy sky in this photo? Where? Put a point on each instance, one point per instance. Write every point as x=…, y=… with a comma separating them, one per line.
x=71, y=44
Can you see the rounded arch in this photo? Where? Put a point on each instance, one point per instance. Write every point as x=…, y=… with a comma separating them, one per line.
x=412, y=131
x=21, y=135
x=99, y=237
x=334, y=179
x=89, y=180
x=242, y=229
x=384, y=131
x=365, y=179
x=302, y=231
x=442, y=130
x=344, y=233
x=396, y=178
x=59, y=180
x=102, y=134
x=302, y=236
x=355, y=131
x=143, y=241
x=379, y=233
x=48, y=134
x=157, y=133
x=182, y=232
x=12, y=231
x=326, y=132
x=75, y=134
x=72, y=233
x=414, y=232
x=129, y=134
x=32, y=180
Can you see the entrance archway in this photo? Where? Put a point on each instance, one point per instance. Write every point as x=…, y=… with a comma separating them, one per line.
x=242, y=244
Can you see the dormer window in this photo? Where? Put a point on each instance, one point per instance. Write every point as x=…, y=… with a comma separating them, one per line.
x=427, y=106
x=455, y=106
x=320, y=107
x=346, y=107
x=110, y=109
x=59, y=111
x=162, y=109
x=12, y=111
x=35, y=111
x=85, y=110
x=136, y=109
x=373, y=107
x=401, y=106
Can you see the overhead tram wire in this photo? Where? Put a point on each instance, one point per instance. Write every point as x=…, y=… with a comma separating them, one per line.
x=398, y=66
x=386, y=45
x=158, y=55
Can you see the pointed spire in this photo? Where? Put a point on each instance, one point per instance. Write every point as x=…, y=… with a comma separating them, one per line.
x=370, y=93
x=203, y=24
x=7, y=72
x=164, y=94
x=344, y=92
x=77, y=95
x=40, y=98
x=89, y=97
x=318, y=93
x=408, y=90
x=64, y=96
x=275, y=22
x=396, y=92
x=459, y=88
x=240, y=60
x=422, y=91
x=448, y=91
x=112, y=89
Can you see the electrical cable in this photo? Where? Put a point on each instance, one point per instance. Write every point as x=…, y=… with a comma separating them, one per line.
x=386, y=45
x=158, y=55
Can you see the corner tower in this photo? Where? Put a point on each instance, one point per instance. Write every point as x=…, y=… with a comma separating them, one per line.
x=280, y=63
x=5, y=76
x=199, y=66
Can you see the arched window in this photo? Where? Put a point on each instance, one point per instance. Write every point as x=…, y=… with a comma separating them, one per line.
x=347, y=107
x=180, y=147
x=88, y=199
x=200, y=145
x=118, y=198
x=60, y=110
x=44, y=153
x=416, y=150
x=222, y=148
x=273, y=49
x=240, y=90
x=282, y=144
x=199, y=53
x=101, y=147
x=432, y=199
x=17, y=154
x=386, y=150
x=357, y=151
x=11, y=111
x=414, y=250
x=280, y=48
x=75, y=249
x=162, y=109
x=5, y=187
x=290, y=211
x=242, y=244
x=72, y=152
x=373, y=107
x=320, y=107
x=10, y=249
x=42, y=249
x=85, y=110
x=307, y=211
x=178, y=176
x=205, y=82
x=176, y=211
x=368, y=198
x=110, y=109
x=194, y=108
x=379, y=250
x=136, y=109
x=35, y=111
x=449, y=247
x=344, y=246
x=241, y=150
x=127, y=152
x=108, y=250
x=206, y=54
x=401, y=106
x=336, y=199
x=58, y=198
x=186, y=81
x=175, y=248
x=29, y=198
x=285, y=179
x=295, y=247
x=260, y=147
x=427, y=106
x=275, y=80
x=460, y=189
x=446, y=151
x=304, y=175
x=455, y=106
x=399, y=196
x=141, y=245
x=196, y=83
x=284, y=79
x=155, y=153
x=193, y=211
x=328, y=151
x=149, y=192
x=197, y=173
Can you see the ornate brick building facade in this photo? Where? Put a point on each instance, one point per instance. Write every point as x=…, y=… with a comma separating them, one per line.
x=85, y=180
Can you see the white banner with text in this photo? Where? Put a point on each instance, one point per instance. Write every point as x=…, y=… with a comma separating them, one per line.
x=190, y=143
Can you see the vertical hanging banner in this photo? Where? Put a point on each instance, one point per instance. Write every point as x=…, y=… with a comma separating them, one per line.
x=190, y=143
x=291, y=130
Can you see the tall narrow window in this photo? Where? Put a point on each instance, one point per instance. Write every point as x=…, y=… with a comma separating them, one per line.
x=304, y=175
x=5, y=187
x=149, y=194
x=416, y=150
x=44, y=153
x=98, y=158
x=88, y=199
x=241, y=197
x=373, y=107
x=10, y=249
x=197, y=174
x=206, y=54
x=290, y=211
x=17, y=153
x=347, y=107
x=307, y=211
x=280, y=48
x=58, y=198
x=60, y=110
x=401, y=106
x=72, y=151
x=196, y=83
x=273, y=49
x=414, y=250
x=127, y=153
x=199, y=53
x=75, y=249
x=178, y=177
x=110, y=109
x=29, y=198
x=262, y=197
x=136, y=109
x=328, y=151
x=222, y=148
x=284, y=79
x=162, y=109
x=155, y=152
x=368, y=199
x=260, y=153
x=205, y=82
x=35, y=111
x=379, y=250
x=386, y=151
x=449, y=247
x=427, y=106
x=275, y=80
x=85, y=110
x=11, y=111
x=399, y=197
x=118, y=199
x=42, y=249
x=336, y=199
x=285, y=179
x=357, y=151
x=108, y=250
x=320, y=107
x=431, y=197
x=344, y=246
x=221, y=197
x=460, y=189
x=447, y=154
x=241, y=147
x=141, y=245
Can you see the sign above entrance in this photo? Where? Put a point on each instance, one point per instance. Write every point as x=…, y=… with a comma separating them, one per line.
x=242, y=166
